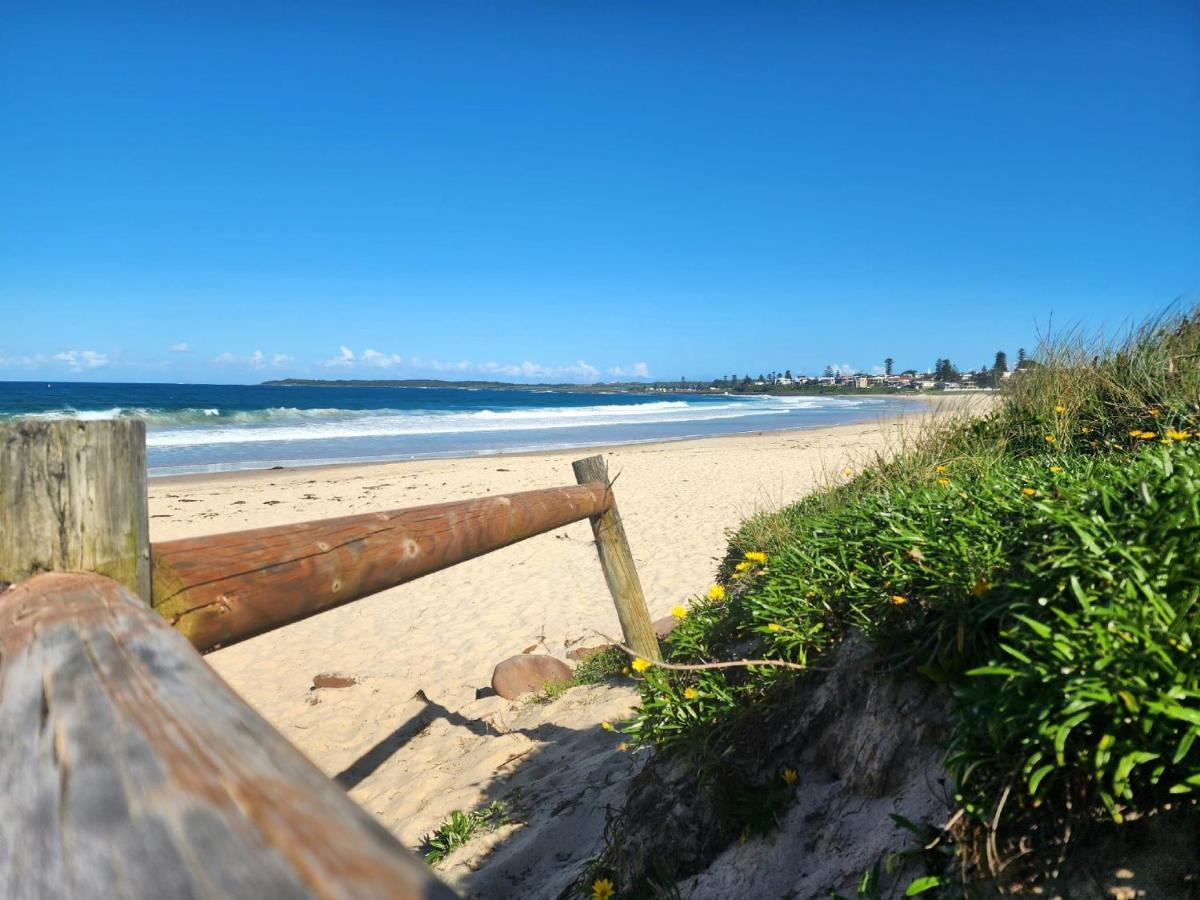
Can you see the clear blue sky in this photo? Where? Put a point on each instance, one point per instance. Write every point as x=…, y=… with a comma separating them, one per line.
x=238, y=191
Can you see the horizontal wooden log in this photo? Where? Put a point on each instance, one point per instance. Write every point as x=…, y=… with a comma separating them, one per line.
x=131, y=769
x=224, y=588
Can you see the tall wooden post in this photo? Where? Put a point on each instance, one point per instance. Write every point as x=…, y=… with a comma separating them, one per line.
x=617, y=562
x=73, y=498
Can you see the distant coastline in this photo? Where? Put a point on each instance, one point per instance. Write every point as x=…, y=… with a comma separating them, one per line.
x=624, y=387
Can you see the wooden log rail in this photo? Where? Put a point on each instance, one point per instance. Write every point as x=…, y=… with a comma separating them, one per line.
x=130, y=769
x=224, y=588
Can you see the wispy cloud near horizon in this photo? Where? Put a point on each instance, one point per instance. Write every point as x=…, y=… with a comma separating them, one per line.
x=578, y=371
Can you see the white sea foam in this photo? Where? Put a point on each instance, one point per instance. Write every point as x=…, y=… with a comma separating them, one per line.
x=169, y=429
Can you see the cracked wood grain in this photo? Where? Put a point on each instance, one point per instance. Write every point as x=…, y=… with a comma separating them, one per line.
x=73, y=497
x=132, y=770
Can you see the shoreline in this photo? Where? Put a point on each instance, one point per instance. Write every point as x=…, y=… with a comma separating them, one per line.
x=932, y=405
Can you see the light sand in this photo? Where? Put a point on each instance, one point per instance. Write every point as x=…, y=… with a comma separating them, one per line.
x=411, y=740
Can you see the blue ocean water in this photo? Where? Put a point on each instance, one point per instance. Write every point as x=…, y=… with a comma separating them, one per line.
x=211, y=428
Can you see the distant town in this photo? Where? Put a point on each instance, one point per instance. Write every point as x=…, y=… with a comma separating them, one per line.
x=944, y=376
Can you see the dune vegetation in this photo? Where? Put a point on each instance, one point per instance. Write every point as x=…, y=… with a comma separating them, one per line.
x=1040, y=565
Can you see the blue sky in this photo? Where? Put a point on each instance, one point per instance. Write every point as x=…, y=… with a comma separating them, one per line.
x=571, y=191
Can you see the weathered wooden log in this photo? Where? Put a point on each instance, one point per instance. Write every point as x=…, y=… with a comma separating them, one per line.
x=73, y=497
x=616, y=560
x=131, y=769
x=224, y=588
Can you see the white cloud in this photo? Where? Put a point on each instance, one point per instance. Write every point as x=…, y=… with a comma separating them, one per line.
x=377, y=359
x=181, y=347
x=279, y=360
x=579, y=370
x=843, y=368
x=79, y=360
x=380, y=360
x=256, y=360
x=637, y=370
x=344, y=359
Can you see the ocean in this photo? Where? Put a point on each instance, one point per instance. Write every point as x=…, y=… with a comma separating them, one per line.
x=213, y=428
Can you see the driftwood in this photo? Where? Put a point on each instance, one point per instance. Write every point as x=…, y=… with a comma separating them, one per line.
x=131, y=769
x=224, y=588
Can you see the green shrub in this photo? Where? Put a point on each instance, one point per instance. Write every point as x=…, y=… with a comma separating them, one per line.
x=459, y=828
x=1094, y=684
x=1042, y=561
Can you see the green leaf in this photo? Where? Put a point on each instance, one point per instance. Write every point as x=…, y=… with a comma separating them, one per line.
x=1036, y=778
x=993, y=670
x=923, y=884
x=1039, y=628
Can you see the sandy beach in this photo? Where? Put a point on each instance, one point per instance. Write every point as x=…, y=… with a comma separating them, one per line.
x=411, y=739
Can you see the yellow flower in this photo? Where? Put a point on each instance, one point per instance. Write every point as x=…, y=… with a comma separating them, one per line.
x=897, y=600
x=622, y=747
x=1178, y=435
x=603, y=889
x=1147, y=435
x=1056, y=469
x=1137, y=432
x=1153, y=412
x=716, y=593
x=756, y=556
x=607, y=726
x=1085, y=430
x=789, y=776
x=641, y=665
x=944, y=482
x=1028, y=492
x=1060, y=409
x=679, y=612
x=847, y=473
x=690, y=693
x=939, y=469
x=742, y=566
x=774, y=626
x=1050, y=439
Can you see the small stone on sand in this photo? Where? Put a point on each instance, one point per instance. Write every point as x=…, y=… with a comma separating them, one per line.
x=519, y=675
x=333, y=680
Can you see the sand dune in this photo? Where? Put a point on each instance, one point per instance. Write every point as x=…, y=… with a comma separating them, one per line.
x=411, y=740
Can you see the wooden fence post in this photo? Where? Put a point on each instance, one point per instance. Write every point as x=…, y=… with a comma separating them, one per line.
x=73, y=498
x=617, y=562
